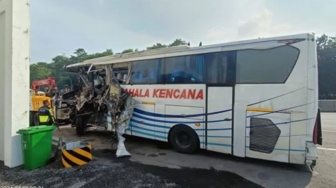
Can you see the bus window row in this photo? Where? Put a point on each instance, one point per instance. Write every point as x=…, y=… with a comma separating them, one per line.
x=227, y=68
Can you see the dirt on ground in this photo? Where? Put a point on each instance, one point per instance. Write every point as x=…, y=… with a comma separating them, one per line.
x=105, y=170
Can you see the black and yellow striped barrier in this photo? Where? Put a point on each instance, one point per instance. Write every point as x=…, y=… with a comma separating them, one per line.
x=76, y=157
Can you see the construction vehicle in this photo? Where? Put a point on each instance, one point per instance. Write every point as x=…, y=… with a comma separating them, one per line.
x=40, y=90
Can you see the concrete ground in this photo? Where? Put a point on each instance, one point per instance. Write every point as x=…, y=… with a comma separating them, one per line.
x=155, y=164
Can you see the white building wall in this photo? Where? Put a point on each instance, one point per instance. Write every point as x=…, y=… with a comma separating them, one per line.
x=14, y=78
x=2, y=78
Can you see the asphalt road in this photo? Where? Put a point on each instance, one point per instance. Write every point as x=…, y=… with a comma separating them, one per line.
x=325, y=170
x=155, y=164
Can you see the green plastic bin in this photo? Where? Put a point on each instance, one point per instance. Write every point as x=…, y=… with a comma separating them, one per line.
x=36, y=145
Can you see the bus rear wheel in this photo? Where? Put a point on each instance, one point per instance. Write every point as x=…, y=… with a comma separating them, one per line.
x=184, y=139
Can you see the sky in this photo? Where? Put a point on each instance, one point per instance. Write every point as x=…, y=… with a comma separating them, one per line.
x=60, y=27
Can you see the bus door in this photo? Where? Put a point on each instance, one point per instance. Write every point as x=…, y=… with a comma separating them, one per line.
x=220, y=78
x=219, y=119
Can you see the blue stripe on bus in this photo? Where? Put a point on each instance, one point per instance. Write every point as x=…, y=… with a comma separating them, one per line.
x=136, y=110
x=148, y=134
x=165, y=137
x=281, y=123
x=209, y=136
x=283, y=149
x=154, y=125
x=145, y=129
x=275, y=97
x=279, y=110
x=298, y=150
x=153, y=130
x=174, y=122
x=162, y=132
x=218, y=144
x=149, y=124
x=223, y=129
x=157, y=131
x=166, y=127
x=287, y=135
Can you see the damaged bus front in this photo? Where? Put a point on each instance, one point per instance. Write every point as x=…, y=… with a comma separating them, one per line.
x=97, y=101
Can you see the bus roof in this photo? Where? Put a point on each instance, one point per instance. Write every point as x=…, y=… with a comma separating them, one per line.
x=179, y=50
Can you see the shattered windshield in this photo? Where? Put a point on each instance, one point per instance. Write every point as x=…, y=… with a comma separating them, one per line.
x=84, y=79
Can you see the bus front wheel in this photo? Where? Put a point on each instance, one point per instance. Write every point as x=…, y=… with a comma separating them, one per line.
x=184, y=139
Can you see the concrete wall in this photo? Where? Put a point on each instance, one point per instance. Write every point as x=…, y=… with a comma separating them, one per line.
x=14, y=78
x=327, y=105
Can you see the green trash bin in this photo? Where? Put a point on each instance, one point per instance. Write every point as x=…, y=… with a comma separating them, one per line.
x=36, y=145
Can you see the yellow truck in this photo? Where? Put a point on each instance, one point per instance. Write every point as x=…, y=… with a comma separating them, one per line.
x=37, y=97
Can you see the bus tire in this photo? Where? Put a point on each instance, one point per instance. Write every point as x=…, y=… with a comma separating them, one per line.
x=80, y=127
x=184, y=139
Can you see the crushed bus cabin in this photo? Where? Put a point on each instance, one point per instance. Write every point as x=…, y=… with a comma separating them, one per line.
x=255, y=98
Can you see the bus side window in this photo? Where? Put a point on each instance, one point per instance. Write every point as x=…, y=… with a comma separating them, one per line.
x=177, y=75
x=199, y=68
x=145, y=72
x=217, y=68
x=183, y=69
x=137, y=77
x=266, y=66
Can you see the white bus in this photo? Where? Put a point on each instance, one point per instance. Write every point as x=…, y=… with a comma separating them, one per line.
x=255, y=98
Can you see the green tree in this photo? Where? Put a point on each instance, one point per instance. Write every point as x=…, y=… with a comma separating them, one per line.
x=80, y=52
x=326, y=51
x=107, y=52
x=127, y=51
x=156, y=46
x=58, y=64
x=39, y=71
x=178, y=42
x=325, y=42
x=80, y=55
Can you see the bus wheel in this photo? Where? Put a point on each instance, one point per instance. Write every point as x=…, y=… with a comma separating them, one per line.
x=184, y=139
x=80, y=127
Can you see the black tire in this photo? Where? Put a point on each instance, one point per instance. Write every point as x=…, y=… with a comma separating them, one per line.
x=80, y=127
x=184, y=139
